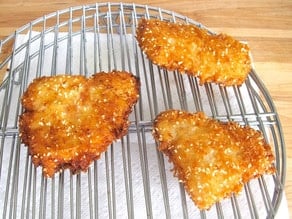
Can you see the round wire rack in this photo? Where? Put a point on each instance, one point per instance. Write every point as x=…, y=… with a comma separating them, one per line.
x=132, y=179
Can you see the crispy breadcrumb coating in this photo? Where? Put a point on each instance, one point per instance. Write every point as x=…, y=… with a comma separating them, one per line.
x=190, y=49
x=211, y=158
x=68, y=121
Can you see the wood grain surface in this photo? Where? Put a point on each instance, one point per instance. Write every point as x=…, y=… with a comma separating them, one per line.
x=265, y=24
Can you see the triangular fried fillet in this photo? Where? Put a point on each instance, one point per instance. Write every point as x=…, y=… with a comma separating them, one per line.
x=190, y=49
x=68, y=121
x=211, y=158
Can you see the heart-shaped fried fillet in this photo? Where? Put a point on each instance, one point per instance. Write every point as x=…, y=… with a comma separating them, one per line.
x=190, y=49
x=211, y=158
x=68, y=121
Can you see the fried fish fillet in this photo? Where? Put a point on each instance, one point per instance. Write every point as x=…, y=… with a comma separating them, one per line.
x=212, y=159
x=190, y=49
x=68, y=121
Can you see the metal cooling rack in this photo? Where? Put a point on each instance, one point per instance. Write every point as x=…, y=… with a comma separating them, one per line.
x=132, y=179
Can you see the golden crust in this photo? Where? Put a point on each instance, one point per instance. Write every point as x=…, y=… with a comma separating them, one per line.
x=187, y=48
x=68, y=121
x=211, y=158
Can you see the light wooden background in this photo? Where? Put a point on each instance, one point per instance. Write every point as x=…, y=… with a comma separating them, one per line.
x=265, y=24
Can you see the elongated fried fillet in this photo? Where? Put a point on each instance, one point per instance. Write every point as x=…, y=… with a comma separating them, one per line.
x=187, y=48
x=211, y=158
x=68, y=121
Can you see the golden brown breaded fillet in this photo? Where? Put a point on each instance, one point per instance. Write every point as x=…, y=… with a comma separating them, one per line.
x=187, y=48
x=211, y=158
x=68, y=121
